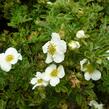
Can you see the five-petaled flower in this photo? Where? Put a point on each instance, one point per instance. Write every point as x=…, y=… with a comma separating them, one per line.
x=38, y=80
x=55, y=49
x=11, y=56
x=53, y=74
x=90, y=71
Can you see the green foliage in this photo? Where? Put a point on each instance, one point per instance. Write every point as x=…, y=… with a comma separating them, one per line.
x=34, y=21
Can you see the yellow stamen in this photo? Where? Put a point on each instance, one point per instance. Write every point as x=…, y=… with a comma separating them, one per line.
x=54, y=73
x=52, y=49
x=90, y=68
x=39, y=81
x=9, y=58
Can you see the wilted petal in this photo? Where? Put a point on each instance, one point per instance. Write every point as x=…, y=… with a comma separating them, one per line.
x=87, y=76
x=96, y=75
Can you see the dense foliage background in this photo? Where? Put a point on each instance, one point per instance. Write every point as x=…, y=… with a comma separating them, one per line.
x=27, y=25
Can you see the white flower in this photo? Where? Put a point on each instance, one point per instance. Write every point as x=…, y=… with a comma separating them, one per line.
x=11, y=56
x=53, y=74
x=74, y=45
x=38, y=80
x=96, y=105
x=80, y=34
x=90, y=71
x=55, y=49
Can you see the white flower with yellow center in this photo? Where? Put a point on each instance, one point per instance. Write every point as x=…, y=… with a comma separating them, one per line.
x=11, y=56
x=38, y=80
x=95, y=104
x=55, y=49
x=74, y=45
x=80, y=34
x=90, y=71
x=53, y=74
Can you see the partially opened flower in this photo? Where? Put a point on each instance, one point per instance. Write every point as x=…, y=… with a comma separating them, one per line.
x=38, y=80
x=11, y=56
x=108, y=56
x=53, y=74
x=95, y=104
x=81, y=34
x=55, y=49
x=74, y=45
x=90, y=71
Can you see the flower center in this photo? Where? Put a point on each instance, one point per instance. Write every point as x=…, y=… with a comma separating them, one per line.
x=54, y=73
x=9, y=58
x=39, y=81
x=90, y=68
x=52, y=49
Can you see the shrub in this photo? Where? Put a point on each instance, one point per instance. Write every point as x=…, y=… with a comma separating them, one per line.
x=28, y=25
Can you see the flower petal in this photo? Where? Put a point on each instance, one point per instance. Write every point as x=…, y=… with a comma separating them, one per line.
x=38, y=74
x=82, y=62
x=80, y=34
x=61, y=73
x=11, y=50
x=58, y=58
x=34, y=86
x=92, y=103
x=48, y=59
x=45, y=47
x=96, y=75
x=33, y=81
x=48, y=70
x=61, y=46
x=45, y=83
x=99, y=106
x=19, y=56
x=5, y=66
x=55, y=37
x=54, y=81
x=87, y=76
